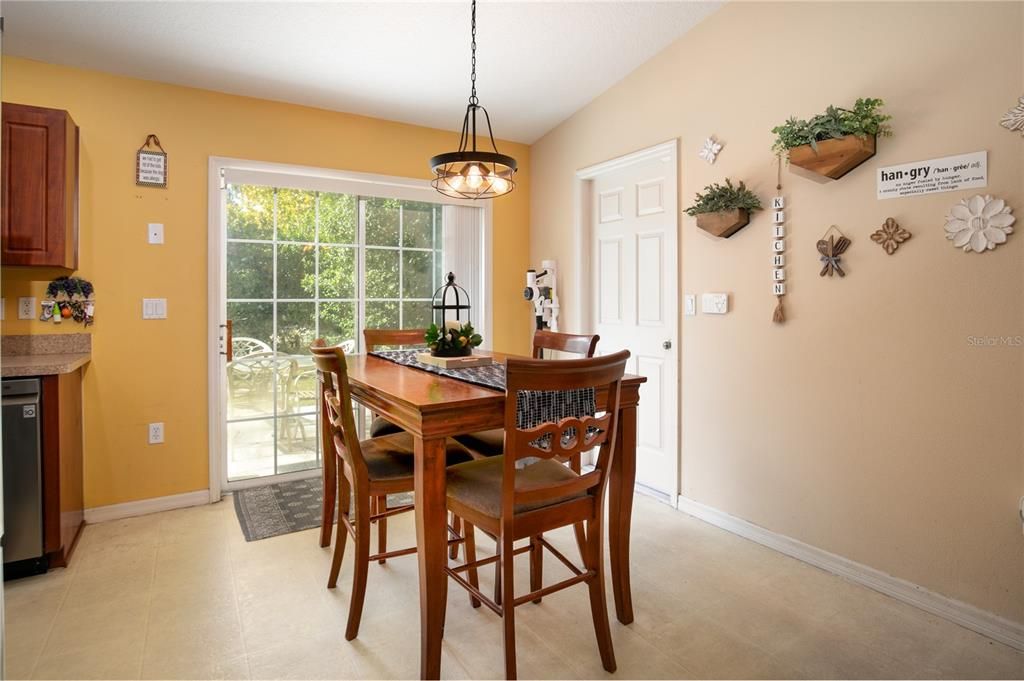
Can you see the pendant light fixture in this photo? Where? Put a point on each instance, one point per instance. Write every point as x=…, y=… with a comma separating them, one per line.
x=469, y=173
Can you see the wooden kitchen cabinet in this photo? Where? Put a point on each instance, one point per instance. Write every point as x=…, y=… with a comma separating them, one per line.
x=39, y=187
x=63, y=485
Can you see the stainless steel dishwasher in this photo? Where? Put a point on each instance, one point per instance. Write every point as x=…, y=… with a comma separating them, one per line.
x=22, y=466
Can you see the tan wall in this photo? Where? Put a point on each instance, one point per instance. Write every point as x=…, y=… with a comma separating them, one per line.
x=867, y=425
x=157, y=370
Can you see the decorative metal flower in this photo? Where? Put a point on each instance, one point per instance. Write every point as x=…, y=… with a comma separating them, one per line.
x=979, y=223
x=890, y=236
x=1014, y=118
x=710, y=150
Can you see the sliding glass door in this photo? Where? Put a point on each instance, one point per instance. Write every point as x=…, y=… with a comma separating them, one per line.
x=301, y=265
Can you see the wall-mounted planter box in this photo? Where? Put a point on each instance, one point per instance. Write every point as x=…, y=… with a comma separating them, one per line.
x=834, y=158
x=724, y=223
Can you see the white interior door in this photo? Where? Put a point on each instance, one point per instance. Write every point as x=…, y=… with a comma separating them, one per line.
x=633, y=220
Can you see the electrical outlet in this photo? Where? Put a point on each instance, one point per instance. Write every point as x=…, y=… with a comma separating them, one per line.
x=26, y=308
x=154, y=308
x=156, y=433
x=155, y=232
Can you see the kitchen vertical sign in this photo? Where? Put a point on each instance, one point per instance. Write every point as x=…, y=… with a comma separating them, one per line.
x=947, y=174
x=151, y=164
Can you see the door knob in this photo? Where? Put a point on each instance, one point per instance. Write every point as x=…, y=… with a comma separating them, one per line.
x=667, y=345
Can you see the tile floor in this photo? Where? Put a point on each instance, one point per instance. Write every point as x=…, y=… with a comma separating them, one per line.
x=182, y=595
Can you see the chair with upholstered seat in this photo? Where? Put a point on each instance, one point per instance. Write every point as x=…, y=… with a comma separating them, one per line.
x=360, y=471
x=511, y=501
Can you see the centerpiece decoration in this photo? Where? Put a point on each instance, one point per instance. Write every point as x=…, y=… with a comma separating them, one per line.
x=451, y=337
x=724, y=210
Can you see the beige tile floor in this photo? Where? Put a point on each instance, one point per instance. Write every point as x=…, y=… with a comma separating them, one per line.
x=182, y=595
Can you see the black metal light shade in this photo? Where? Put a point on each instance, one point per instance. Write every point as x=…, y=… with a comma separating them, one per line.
x=468, y=173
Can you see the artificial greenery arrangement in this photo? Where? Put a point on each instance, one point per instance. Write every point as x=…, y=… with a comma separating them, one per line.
x=457, y=340
x=717, y=198
x=864, y=120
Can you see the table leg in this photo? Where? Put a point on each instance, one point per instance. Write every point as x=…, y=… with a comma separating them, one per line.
x=620, y=511
x=432, y=550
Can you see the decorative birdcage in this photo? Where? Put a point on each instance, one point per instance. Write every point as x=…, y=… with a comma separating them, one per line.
x=452, y=333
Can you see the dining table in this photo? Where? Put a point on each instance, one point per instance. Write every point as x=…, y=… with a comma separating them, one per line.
x=433, y=408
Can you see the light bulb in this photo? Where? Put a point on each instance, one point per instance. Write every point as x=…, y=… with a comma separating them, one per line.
x=499, y=185
x=454, y=182
x=473, y=176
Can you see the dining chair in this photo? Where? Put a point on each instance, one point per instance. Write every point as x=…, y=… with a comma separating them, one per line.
x=512, y=502
x=361, y=472
x=374, y=338
x=492, y=442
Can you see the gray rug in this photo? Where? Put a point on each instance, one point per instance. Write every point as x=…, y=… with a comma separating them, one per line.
x=285, y=507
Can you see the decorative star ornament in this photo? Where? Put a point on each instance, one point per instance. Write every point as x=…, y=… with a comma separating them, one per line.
x=1014, y=118
x=710, y=150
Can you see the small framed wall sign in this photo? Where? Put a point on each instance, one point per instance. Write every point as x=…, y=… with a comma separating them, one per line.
x=151, y=164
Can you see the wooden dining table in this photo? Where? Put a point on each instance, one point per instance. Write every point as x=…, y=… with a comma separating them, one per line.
x=433, y=408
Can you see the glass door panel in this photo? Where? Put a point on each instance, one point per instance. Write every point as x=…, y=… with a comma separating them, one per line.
x=302, y=265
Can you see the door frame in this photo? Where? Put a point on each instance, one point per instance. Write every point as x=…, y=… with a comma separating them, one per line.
x=583, y=247
x=325, y=179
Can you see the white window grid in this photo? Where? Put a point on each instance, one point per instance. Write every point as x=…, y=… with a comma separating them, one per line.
x=360, y=301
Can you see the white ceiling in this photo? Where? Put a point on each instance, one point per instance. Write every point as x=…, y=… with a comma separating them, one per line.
x=537, y=62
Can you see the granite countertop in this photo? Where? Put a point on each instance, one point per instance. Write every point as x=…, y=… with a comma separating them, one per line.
x=45, y=354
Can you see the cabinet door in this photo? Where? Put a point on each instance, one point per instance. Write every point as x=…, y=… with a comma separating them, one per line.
x=39, y=212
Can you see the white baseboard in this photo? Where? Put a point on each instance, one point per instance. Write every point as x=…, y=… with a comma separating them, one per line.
x=985, y=623
x=101, y=514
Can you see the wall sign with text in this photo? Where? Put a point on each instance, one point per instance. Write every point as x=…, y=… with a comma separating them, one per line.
x=151, y=164
x=947, y=174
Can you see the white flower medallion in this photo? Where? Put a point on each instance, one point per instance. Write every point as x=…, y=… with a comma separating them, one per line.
x=979, y=223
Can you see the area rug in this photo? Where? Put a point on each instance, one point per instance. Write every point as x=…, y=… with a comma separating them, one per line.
x=285, y=507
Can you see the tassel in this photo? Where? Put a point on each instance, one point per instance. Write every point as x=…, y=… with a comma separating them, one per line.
x=779, y=316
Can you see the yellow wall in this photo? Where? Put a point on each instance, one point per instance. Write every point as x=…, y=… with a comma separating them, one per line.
x=867, y=425
x=157, y=370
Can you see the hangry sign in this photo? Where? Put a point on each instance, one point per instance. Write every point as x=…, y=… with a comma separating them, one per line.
x=946, y=174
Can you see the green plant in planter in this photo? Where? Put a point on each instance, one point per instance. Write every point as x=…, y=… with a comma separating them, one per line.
x=864, y=120
x=717, y=198
x=454, y=341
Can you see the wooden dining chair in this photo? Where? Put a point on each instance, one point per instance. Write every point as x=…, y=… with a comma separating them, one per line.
x=514, y=503
x=364, y=471
x=373, y=339
x=492, y=442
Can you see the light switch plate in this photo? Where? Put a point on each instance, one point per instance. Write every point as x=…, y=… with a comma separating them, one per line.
x=156, y=433
x=714, y=303
x=26, y=308
x=689, y=304
x=154, y=308
x=155, y=232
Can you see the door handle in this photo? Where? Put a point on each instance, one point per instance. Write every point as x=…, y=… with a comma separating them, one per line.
x=228, y=351
x=667, y=345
